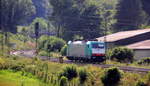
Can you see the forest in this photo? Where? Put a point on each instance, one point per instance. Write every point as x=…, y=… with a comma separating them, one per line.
x=75, y=19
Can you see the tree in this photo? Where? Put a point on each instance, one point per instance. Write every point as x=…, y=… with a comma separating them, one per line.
x=41, y=8
x=146, y=7
x=43, y=25
x=130, y=15
x=14, y=13
x=50, y=43
x=76, y=18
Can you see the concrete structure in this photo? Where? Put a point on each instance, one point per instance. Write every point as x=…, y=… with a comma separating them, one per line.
x=141, y=49
x=138, y=40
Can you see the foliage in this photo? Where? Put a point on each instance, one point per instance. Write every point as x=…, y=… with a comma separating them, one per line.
x=86, y=19
x=122, y=54
x=49, y=73
x=63, y=81
x=112, y=77
x=144, y=61
x=42, y=7
x=64, y=50
x=148, y=80
x=11, y=78
x=19, y=41
x=50, y=43
x=55, y=55
x=77, y=37
x=44, y=26
x=14, y=13
x=146, y=7
x=43, y=53
x=83, y=75
x=70, y=72
x=140, y=83
x=132, y=18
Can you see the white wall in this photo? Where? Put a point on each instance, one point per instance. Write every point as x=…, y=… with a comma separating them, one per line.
x=139, y=54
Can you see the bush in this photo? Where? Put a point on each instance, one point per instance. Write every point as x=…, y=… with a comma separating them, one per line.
x=148, y=81
x=43, y=53
x=64, y=50
x=2, y=62
x=109, y=54
x=57, y=44
x=70, y=72
x=63, y=81
x=111, y=77
x=122, y=54
x=145, y=61
x=83, y=75
x=141, y=83
x=51, y=43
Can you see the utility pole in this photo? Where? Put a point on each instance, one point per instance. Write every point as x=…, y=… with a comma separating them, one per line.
x=2, y=43
x=36, y=36
x=105, y=37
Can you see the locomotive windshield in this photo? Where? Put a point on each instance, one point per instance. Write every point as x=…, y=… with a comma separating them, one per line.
x=97, y=45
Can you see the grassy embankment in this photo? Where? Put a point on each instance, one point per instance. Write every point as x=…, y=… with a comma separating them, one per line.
x=11, y=78
x=39, y=72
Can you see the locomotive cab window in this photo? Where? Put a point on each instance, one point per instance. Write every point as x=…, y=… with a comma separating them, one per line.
x=97, y=45
x=88, y=46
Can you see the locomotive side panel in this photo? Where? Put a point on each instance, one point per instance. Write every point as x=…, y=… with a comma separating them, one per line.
x=76, y=50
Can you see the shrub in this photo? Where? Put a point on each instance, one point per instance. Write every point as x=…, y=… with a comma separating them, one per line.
x=83, y=75
x=141, y=83
x=112, y=77
x=41, y=42
x=43, y=53
x=122, y=54
x=63, y=81
x=51, y=43
x=144, y=61
x=2, y=62
x=64, y=50
x=148, y=81
x=17, y=67
x=70, y=72
x=57, y=44
x=109, y=54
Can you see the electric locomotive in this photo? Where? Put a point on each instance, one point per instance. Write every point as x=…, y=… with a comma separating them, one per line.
x=92, y=51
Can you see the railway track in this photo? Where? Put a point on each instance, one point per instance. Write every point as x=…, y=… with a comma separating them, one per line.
x=31, y=54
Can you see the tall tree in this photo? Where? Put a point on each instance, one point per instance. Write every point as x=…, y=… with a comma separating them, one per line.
x=13, y=13
x=146, y=7
x=77, y=18
x=42, y=8
x=130, y=15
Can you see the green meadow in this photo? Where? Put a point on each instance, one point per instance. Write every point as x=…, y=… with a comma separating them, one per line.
x=12, y=78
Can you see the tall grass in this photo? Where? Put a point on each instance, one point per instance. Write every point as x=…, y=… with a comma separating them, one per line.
x=76, y=75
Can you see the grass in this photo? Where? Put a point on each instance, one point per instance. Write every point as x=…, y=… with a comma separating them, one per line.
x=10, y=78
x=134, y=64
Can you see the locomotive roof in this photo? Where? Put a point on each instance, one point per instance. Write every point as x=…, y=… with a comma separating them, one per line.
x=84, y=42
